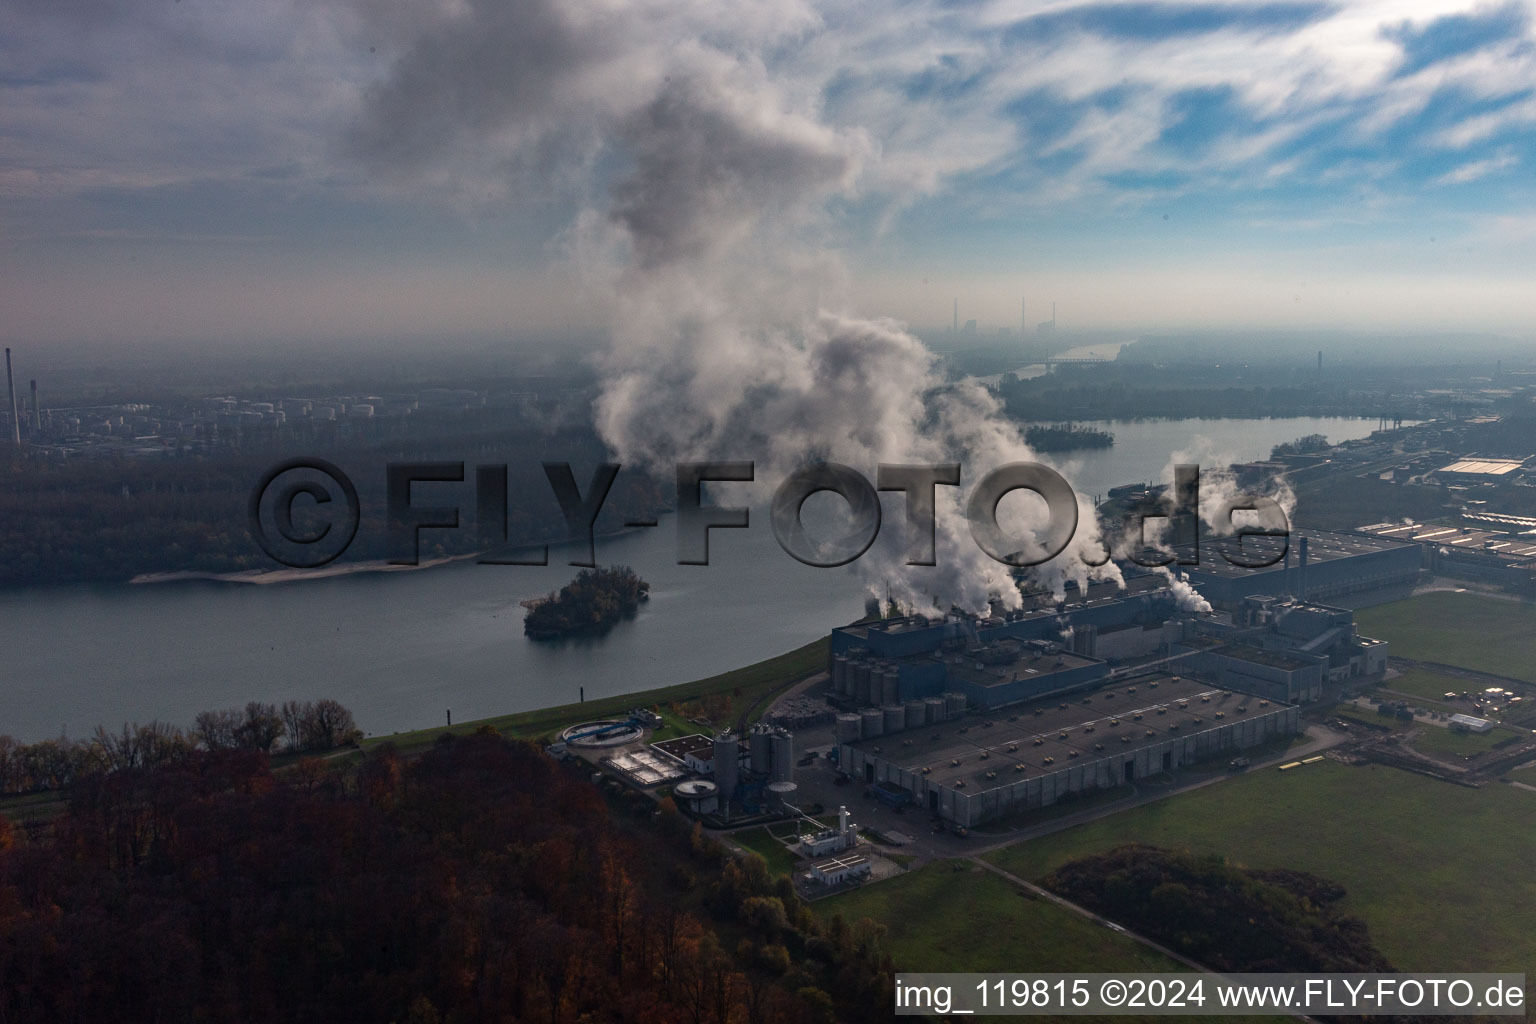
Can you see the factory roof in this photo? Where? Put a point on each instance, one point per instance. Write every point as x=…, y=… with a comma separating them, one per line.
x=1260, y=656
x=681, y=746
x=1030, y=664
x=1322, y=546
x=1483, y=467
x=1461, y=537
x=981, y=752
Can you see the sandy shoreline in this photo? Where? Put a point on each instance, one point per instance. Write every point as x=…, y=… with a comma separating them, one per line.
x=325, y=571
x=292, y=575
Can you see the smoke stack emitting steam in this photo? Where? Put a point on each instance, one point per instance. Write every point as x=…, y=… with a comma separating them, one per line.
x=727, y=339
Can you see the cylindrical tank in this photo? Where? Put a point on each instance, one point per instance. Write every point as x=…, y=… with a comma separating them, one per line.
x=935, y=706
x=783, y=755
x=860, y=670
x=874, y=722
x=781, y=793
x=840, y=673
x=917, y=714
x=760, y=749
x=848, y=728
x=890, y=686
x=954, y=705
x=698, y=795
x=727, y=758
x=895, y=717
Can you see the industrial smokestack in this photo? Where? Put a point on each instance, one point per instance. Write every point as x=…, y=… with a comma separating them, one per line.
x=10, y=384
x=1302, y=570
x=37, y=414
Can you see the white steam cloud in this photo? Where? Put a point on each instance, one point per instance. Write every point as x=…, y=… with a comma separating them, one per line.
x=708, y=182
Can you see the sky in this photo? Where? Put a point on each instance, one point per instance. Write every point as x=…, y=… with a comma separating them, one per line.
x=235, y=172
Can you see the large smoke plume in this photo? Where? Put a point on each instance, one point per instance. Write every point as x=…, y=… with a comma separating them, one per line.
x=707, y=180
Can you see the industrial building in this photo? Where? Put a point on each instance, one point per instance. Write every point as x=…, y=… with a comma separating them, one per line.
x=840, y=870
x=1318, y=564
x=1488, y=547
x=985, y=766
x=756, y=773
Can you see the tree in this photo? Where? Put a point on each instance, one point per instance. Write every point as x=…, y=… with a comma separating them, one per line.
x=261, y=727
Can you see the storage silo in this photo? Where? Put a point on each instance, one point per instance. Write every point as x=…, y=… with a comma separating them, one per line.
x=874, y=722
x=840, y=674
x=860, y=670
x=890, y=685
x=848, y=728
x=917, y=714
x=954, y=705
x=727, y=762
x=783, y=755
x=895, y=717
x=782, y=794
x=935, y=706
x=760, y=749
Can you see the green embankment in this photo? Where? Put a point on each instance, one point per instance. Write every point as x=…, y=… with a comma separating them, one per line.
x=738, y=690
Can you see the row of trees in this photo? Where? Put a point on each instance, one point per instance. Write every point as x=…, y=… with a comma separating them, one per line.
x=481, y=881
x=303, y=726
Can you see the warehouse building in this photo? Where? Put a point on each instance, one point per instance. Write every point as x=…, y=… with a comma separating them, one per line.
x=986, y=766
x=1317, y=564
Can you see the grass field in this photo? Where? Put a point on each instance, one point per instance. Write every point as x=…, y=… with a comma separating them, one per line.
x=1432, y=686
x=954, y=916
x=1434, y=740
x=1466, y=630
x=741, y=688
x=1440, y=873
x=761, y=842
x=940, y=919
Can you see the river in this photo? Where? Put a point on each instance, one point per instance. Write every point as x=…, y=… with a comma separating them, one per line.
x=400, y=649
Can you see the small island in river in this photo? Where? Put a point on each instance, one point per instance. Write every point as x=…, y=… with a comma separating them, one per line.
x=591, y=603
x=1064, y=437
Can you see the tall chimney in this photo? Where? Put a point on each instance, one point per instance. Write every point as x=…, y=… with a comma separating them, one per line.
x=37, y=414
x=1302, y=570
x=10, y=384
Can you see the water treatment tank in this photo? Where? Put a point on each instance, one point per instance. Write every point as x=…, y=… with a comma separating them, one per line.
x=781, y=793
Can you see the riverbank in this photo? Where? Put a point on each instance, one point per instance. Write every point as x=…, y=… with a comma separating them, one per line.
x=744, y=689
